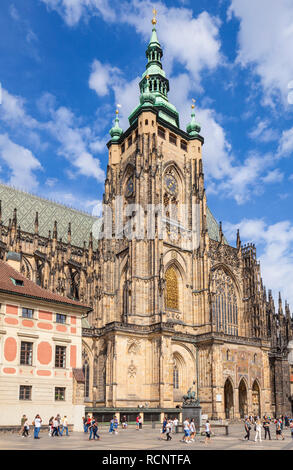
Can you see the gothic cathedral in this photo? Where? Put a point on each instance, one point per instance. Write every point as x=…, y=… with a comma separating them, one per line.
x=169, y=312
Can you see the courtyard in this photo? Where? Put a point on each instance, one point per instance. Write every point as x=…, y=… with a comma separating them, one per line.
x=145, y=439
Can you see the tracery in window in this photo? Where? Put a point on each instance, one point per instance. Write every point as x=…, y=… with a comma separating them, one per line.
x=225, y=309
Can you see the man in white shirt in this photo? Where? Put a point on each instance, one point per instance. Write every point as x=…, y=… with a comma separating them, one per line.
x=37, y=426
x=175, y=425
x=186, y=431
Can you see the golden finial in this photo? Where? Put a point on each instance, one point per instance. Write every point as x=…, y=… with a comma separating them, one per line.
x=193, y=103
x=117, y=108
x=154, y=20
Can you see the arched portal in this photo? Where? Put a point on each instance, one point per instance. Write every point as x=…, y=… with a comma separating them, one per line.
x=256, y=399
x=243, y=408
x=228, y=400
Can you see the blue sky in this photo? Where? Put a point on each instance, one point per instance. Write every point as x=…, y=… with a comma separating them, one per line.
x=64, y=64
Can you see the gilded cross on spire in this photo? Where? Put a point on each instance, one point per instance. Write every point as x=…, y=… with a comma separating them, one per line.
x=154, y=20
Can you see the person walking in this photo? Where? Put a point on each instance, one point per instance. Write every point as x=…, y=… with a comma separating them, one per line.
x=175, y=425
x=25, y=432
x=91, y=429
x=169, y=430
x=291, y=427
x=55, y=427
x=51, y=426
x=140, y=423
x=266, y=425
x=111, y=429
x=279, y=429
x=192, y=430
x=88, y=423
x=124, y=422
x=257, y=431
x=164, y=427
x=186, y=428
x=208, y=432
x=22, y=421
x=115, y=425
x=95, y=431
x=37, y=426
x=247, y=428
x=64, y=424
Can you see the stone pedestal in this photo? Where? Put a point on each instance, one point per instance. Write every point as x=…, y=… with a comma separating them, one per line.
x=192, y=412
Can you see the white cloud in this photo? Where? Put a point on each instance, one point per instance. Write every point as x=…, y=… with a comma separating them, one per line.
x=51, y=182
x=273, y=176
x=73, y=10
x=13, y=112
x=286, y=143
x=74, y=143
x=103, y=77
x=275, y=250
x=265, y=42
x=263, y=132
x=21, y=163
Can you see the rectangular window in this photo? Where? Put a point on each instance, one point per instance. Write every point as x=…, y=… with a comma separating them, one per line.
x=136, y=135
x=27, y=313
x=60, y=356
x=25, y=392
x=183, y=145
x=26, y=353
x=122, y=148
x=60, y=393
x=60, y=318
x=161, y=132
x=129, y=142
x=173, y=139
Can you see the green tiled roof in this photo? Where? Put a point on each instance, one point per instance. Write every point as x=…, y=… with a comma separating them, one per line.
x=48, y=211
x=213, y=227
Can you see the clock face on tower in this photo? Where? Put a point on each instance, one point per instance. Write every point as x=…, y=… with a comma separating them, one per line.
x=171, y=184
x=129, y=190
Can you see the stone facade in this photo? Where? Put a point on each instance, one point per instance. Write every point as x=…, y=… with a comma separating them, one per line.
x=167, y=315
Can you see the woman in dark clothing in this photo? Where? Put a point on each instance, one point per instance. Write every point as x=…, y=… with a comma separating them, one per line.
x=247, y=428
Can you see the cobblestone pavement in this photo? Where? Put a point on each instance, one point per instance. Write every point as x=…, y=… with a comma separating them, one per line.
x=145, y=439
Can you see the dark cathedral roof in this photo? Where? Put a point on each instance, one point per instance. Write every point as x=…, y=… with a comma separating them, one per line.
x=82, y=223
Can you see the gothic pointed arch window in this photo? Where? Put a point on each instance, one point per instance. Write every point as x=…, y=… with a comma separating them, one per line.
x=172, y=289
x=175, y=376
x=225, y=305
x=86, y=373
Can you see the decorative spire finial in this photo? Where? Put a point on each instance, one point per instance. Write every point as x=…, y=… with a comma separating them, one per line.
x=193, y=103
x=154, y=20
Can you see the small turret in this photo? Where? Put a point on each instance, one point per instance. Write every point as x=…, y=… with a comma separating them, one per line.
x=193, y=128
x=116, y=131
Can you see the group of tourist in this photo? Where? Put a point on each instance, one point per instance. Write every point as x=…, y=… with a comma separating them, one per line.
x=57, y=426
x=257, y=424
x=90, y=425
x=171, y=425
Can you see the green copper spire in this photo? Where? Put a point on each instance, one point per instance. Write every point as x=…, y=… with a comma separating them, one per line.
x=154, y=89
x=193, y=128
x=116, y=131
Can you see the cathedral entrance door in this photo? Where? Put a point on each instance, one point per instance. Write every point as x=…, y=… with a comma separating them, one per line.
x=243, y=409
x=228, y=400
x=255, y=399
